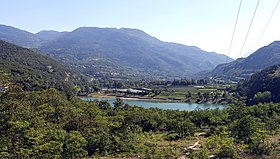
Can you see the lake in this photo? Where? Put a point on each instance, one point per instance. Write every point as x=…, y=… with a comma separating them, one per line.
x=161, y=105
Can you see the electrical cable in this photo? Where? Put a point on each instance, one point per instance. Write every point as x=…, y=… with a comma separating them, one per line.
x=249, y=28
x=267, y=24
x=234, y=29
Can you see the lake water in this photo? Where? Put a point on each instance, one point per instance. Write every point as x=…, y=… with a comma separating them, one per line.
x=161, y=105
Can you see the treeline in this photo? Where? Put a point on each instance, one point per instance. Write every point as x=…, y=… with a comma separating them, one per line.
x=181, y=82
x=215, y=97
x=109, y=83
x=261, y=87
x=47, y=124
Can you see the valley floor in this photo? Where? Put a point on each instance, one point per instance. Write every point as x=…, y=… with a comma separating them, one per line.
x=187, y=94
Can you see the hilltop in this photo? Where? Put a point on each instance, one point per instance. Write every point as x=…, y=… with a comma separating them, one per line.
x=128, y=52
x=117, y=53
x=244, y=67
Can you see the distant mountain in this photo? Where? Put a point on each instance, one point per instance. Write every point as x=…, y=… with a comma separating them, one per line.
x=49, y=34
x=19, y=37
x=128, y=52
x=117, y=53
x=266, y=80
x=245, y=67
x=35, y=71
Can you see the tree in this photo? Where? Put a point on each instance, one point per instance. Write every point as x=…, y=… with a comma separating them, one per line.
x=206, y=95
x=99, y=141
x=16, y=145
x=52, y=144
x=104, y=105
x=184, y=127
x=74, y=145
x=223, y=146
x=262, y=97
x=247, y=129
x=118, y=104
x=189, y=94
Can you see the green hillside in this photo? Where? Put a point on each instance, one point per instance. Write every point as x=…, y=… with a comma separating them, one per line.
x=117, y=53
x=267, y=81
x=35, y=71
x=131, y=50
x=245, y=67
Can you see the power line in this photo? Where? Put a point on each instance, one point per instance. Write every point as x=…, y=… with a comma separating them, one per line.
x=234, y=29
x=267, y=24
x=249, y=27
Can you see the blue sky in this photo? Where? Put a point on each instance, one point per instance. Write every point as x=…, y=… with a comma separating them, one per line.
x=207, y=24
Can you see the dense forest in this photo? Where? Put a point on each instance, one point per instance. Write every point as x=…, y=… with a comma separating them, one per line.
x=37, y=72
x=48, y=124
x=262, y=87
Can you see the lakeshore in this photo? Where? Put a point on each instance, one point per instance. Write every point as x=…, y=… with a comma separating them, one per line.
x=146, y=103
x=200, y=94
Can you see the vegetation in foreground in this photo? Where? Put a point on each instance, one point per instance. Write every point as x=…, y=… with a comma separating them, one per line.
x=48, y=124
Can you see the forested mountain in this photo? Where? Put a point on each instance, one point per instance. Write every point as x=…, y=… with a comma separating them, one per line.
x=118, y=53
x=263, y=86
x=129, y=49
x=35, y=71
x=244, y=67
x=19, y=37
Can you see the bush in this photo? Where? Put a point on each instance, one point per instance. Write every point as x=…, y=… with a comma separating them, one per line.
x=172, y=137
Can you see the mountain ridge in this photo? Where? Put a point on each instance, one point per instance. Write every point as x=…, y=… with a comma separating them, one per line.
x=19, y=36
x=144, y=52
x=130, y=53
x=244, y=67
x=49, y=34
